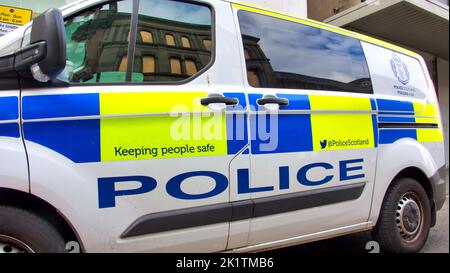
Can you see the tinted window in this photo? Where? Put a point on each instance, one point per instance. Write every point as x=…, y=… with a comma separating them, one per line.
x=179, y=30
x=283, y=54
x=169, y=46
x=97, y=44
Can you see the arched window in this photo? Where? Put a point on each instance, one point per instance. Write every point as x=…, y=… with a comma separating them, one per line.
x=170, y=40
x=207, y=44
x=253, y=78
x=247, y=54
x=190, y=67
x=148, y=64
x=175, y=66
x=123, y=64
x=147, y=37
x=185, y=42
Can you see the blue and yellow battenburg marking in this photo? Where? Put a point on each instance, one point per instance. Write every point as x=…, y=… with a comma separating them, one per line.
x=320, y=124
x=97, y=125
x=394, y=111
x=129, y=122
x=9, y=113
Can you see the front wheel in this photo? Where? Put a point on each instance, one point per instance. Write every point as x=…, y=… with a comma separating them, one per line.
x=24, y=232
x=405, y=218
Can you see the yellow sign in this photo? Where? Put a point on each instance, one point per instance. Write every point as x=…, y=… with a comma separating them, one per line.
x=166, y=133
x=341, y=131
x=15, y=16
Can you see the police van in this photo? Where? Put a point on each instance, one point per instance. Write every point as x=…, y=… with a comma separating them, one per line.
x=210, y=126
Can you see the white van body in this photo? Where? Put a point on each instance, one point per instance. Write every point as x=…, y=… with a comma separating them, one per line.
x=84, y=150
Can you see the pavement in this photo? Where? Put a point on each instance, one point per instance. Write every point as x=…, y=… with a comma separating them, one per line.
x=438, y=240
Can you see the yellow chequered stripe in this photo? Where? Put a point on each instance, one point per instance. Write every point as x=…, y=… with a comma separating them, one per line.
x=428, y=113
x=425, y=110
x=164, y=134
x=430, y=135
x=341, y=131
x=427, y=120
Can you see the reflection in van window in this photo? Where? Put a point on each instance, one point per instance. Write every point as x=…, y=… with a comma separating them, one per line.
x=207, y=44
x=123, y=64
x=170, y=40
x=175, y=66
x=97, y=40
x=179, y=29
x=190, y=67
x=291, y=55
x=185, y=42
x=148, y=64
x=147, y=37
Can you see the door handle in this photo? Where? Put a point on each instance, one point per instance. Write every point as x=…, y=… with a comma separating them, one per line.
x=273, y=99
x=217, y=98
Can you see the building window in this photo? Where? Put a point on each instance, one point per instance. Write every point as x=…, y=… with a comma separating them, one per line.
x=185, y=42
x=174, y=35
x=190, y=67
x=246, y=54
x=148, y=64
x=207, y=44
x=253, y=78
x=123, y=64
x=175, y=66
x=147, y=37
x=170, y=40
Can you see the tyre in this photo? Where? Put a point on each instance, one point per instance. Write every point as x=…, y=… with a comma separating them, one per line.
x=23, y=231
x=405, y=218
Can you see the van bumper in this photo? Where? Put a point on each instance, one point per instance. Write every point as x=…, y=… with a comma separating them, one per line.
x=438, y=183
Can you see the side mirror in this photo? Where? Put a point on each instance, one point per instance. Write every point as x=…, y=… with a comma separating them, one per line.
x=47, y=48
x=49, y=28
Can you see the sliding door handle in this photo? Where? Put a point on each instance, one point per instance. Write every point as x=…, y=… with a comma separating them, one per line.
x=217, y=98
x=274, y=100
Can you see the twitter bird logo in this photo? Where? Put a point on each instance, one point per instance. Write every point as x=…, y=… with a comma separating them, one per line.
x=323, y=144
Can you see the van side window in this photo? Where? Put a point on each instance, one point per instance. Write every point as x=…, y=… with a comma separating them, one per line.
x=179, y=29
x=98, y=42
x=284, y=54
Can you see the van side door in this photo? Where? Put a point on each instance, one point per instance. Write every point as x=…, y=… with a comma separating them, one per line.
x=313, y=128
x=13, y=166
x=134, y=149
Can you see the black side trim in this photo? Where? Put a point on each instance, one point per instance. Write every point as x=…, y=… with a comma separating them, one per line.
x=241, y=210
x=178, y=219
x=407, y=125
x=303, y=200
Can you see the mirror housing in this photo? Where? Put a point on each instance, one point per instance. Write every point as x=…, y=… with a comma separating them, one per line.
x=47, y=47
x=49, y=28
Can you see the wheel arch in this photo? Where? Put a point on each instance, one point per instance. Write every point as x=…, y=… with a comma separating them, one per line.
x=403, y=158
x=40, y=207
x=419, y=175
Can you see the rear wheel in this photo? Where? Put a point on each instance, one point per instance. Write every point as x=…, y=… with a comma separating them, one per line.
x=405, y=217
x=24, y=232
